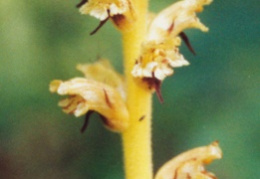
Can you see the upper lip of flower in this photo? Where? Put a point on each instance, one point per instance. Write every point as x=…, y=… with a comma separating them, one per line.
x=191, y=163
x=175, y=18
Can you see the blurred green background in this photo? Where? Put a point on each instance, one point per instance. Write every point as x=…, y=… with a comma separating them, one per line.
x=215, y=98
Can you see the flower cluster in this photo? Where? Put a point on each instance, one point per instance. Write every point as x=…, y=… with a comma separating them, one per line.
x=159, y=54
x=160, y=50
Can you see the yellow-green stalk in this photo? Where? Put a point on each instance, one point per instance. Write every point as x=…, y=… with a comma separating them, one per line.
x=137, y=138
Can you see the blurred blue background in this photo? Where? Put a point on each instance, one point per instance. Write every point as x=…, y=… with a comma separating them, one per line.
x=215, y=98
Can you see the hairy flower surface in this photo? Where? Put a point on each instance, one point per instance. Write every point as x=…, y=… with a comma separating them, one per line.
x=160, y=51
x=190, y=164
x=101, y=91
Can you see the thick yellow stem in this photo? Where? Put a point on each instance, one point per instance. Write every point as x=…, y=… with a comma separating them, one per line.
x=137, y=138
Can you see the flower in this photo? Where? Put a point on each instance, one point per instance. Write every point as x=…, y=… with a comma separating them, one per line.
x=173, y=20
x=157, y=60
x=190, y=164
x=101, y=90
x=160, y=50
x=120, y=11
x=102, y=9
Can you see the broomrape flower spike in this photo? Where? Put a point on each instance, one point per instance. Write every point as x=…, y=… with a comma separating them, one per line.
x=100, y=92
x=160, y=50
x=189, y=165
x=151, y=52
x=119, y=11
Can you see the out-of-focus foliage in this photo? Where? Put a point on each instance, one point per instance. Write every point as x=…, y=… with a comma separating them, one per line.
x=215, y=98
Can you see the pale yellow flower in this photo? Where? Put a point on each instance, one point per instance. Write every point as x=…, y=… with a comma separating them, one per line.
x=158, y=59
x=102, y=9
x=160, y=51
x=176, y=18
x=101, y=91
x=102, y=71
x=120, y=12
x=190, y=164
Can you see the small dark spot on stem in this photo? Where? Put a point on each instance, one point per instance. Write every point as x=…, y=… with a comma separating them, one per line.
x=185, y=38
x=81, y=3
x=85, y=125
x=141, y=118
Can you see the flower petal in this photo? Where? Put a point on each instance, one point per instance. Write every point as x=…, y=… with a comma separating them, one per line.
x=158, y=59
x=86, y=94
x=102, y=71
x=102, y=9
x=176, y=18
x=121, y=12
x=190, y=164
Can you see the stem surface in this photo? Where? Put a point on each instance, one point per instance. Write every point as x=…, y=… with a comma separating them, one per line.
x=137, y=138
